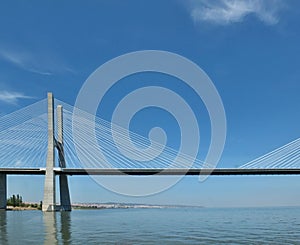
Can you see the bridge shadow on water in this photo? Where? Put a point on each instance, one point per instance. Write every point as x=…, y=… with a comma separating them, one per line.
x=57, y=227
x=3, y=227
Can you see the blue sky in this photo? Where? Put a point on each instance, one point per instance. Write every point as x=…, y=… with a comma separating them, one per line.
x=250, y=50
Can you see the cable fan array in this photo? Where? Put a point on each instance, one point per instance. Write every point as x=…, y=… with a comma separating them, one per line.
x=23, y=137
x=23, y=144
x=284, y=157
x=113, y=158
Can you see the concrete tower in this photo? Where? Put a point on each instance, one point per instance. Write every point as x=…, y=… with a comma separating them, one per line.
x=49, y=203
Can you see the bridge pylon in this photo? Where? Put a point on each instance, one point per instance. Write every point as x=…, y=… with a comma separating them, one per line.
x=49, y=202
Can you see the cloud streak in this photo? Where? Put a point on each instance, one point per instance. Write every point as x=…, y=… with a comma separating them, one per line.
x=39, y=62
x=225, y=12
x=12, y=97
x=23, y=60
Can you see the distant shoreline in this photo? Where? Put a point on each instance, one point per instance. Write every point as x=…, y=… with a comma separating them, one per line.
x=127, y=206
x=101, y=206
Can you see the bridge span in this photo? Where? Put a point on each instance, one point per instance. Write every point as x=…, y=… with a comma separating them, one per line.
x=145, y=172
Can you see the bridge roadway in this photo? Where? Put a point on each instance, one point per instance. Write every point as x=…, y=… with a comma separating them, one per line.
x=99, y=171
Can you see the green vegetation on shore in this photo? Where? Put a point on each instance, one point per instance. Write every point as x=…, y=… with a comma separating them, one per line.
x=16, y=201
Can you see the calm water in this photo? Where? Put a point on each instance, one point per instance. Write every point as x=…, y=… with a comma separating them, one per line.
x=153, y=226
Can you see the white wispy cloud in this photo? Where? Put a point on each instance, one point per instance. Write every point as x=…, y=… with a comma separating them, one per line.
x=12, y=97
x=24, y=60
x=39, y=62
x=224, y=12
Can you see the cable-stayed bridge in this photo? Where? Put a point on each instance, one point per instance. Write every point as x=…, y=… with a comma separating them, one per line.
x=30, y=144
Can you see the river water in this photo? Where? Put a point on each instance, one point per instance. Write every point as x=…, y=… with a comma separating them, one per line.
x=153, y=226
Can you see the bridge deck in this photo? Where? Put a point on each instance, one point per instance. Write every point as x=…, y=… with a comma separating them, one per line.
x=218, y=171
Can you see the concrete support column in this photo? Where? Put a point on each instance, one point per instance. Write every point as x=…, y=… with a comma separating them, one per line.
x=3, y=191
x=65, y=202
x=49, y=203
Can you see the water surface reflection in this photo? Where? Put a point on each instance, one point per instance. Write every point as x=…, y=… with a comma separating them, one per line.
x=65, y=231
x=3, y=227
x=57, y=227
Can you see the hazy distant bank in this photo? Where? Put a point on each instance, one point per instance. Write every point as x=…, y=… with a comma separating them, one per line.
x=126, y=205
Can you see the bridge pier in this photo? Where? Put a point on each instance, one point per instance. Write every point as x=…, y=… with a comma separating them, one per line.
x=3, y=191
x=49, y=202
